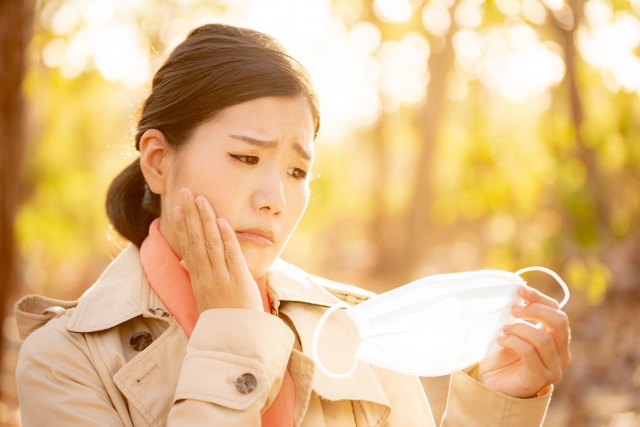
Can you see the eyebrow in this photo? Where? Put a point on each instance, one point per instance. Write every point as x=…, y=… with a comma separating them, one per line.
x=271, y=144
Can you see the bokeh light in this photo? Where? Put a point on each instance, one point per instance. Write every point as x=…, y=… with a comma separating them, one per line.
x=489, y=134
x=609, y=42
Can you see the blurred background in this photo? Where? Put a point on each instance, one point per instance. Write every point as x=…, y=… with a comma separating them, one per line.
x=456, y=135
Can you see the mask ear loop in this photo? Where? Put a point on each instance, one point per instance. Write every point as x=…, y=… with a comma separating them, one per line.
x=552, y=273
x=316, y=338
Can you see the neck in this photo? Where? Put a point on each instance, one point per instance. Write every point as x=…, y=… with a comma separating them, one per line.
x=170, y=235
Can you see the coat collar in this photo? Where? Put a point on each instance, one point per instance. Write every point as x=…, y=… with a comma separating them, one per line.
x=122, y=292
x=286, y=282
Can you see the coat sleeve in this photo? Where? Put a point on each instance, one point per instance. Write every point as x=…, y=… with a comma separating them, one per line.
x=58, y=384
x=225, y=345
x=470, y=404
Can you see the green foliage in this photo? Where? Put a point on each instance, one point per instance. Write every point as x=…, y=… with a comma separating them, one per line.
x=510, y=183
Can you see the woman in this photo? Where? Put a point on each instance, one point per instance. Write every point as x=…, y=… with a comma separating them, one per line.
x=176, y=332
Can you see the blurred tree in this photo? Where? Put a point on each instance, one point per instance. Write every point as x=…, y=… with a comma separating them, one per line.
x=475, y=134
x=15, y=32
x=429, y=121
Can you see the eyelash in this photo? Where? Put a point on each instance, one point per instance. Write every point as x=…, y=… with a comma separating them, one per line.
x=240, y=157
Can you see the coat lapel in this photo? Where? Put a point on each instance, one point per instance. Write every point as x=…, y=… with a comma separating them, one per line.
x=304, y=301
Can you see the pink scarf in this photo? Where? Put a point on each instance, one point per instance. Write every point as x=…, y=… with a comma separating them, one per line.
x=172, y=284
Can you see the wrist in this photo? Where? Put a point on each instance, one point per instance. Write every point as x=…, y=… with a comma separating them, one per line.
x=474, y=370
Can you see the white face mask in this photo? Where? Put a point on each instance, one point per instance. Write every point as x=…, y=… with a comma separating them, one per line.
x=435, y=325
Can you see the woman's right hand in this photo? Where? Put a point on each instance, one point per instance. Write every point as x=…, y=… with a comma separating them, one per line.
x=212, y=256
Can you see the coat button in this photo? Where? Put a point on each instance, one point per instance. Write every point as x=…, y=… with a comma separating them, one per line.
x=140, y=340
x=246, y=383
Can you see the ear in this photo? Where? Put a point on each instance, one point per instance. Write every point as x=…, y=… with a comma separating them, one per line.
x=154, y=159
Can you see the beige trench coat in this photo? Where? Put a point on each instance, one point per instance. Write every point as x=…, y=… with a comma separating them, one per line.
x=78, y=368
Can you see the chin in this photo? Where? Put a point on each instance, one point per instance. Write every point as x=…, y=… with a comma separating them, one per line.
x=258, y=259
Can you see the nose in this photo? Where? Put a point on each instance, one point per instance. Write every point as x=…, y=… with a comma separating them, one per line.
x=269, y=197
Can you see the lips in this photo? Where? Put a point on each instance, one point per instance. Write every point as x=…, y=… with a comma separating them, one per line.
x=257, y=235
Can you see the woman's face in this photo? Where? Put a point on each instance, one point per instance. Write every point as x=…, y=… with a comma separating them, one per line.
x=253, y=164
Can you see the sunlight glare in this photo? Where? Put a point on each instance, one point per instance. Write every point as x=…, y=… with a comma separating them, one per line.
x=597, y=12
x=468, y=47
x=564, y=17
x=356, y=74
x=554, y=5
x=122, y=55
x=78, y=52
x=98, y=12
x=534, y=12
x=404, y=74
x=365, y=36
x=513, y=61
x=341, y=62
x=172, y=32
x=449, y=3
x=509, y=7
x=468, y=15
x=298, y=24
x=436, y=19
x=66, y=18
x=611, y=46
x=395, y=11
x=53, y=52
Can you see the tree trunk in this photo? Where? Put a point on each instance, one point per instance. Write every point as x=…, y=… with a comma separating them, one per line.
x=418, y=225
x=16, y=20
x=586, y=154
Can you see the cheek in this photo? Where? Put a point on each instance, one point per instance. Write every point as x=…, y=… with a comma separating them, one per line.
x=211, y=177
x=297, y=204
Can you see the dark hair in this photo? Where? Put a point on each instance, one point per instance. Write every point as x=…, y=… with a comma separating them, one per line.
x=215, y=67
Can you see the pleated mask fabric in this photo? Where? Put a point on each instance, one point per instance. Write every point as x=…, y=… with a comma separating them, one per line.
x=436, y=325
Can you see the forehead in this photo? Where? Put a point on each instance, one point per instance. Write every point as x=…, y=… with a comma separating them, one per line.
x=273, y=118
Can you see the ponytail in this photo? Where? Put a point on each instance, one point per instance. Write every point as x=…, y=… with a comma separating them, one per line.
x=131, y=206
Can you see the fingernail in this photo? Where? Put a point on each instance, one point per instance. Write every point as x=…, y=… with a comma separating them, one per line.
x=507, y=328
x=221, y=223
x=183, y=264
x=199, y=202
x=500, y=339
x=518, y=309
x=177, y=213
x=185, y=196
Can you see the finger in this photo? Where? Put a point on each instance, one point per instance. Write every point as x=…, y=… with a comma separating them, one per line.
x=183, y=237
x=543, y=343
x=555, y=321
x=528, y=354
x=232, y=252
x=551, y=318
x=195, y=233
x=212, y=238
x=532, y=295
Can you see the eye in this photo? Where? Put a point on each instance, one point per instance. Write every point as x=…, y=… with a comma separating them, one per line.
x=297, y=173
x=250, y=160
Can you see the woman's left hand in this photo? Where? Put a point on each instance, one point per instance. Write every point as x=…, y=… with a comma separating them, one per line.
x=533, y=357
